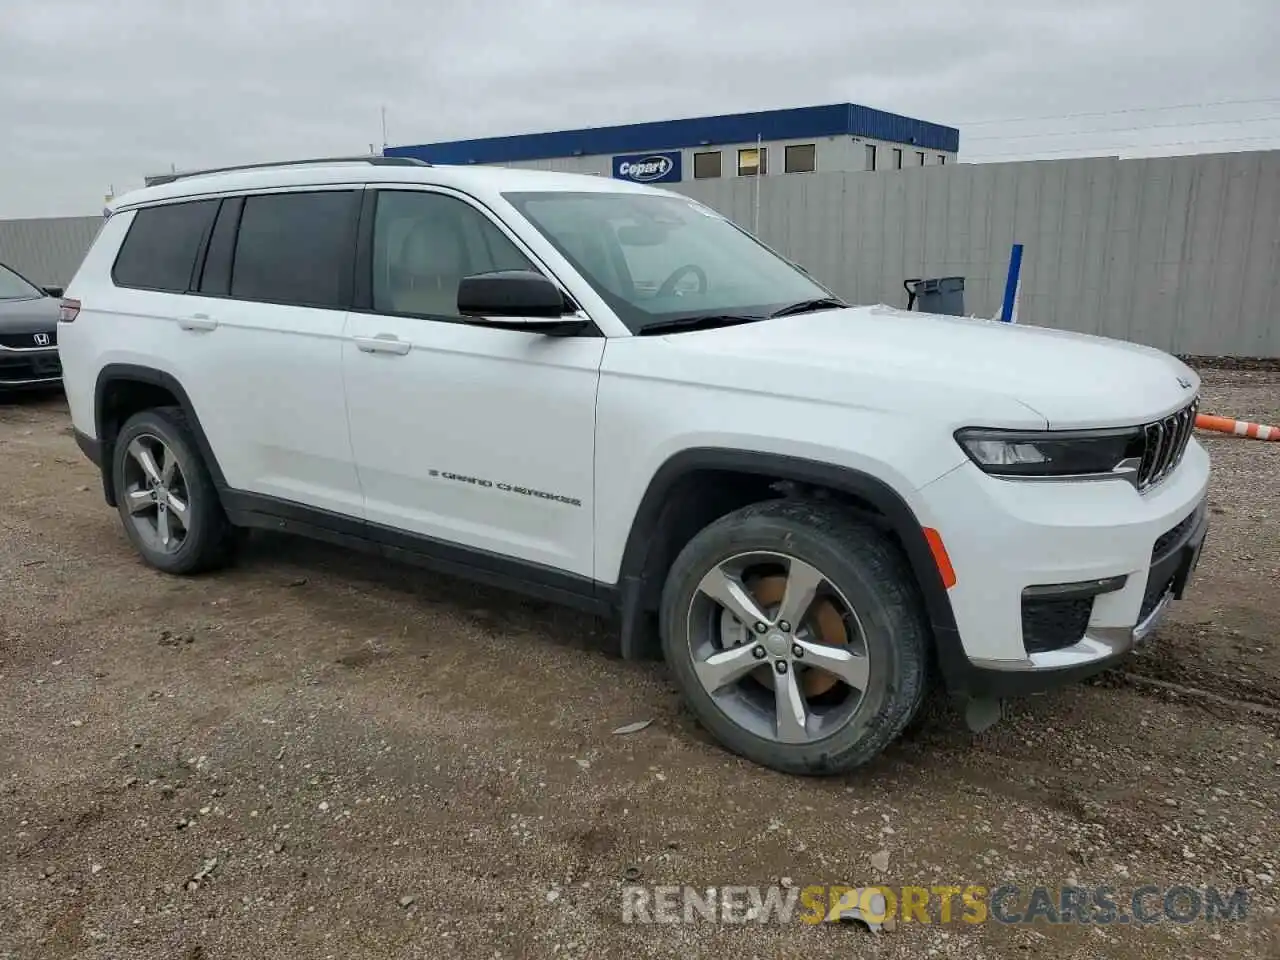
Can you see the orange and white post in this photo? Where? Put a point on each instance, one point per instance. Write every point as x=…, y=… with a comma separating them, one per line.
x=1238, y=428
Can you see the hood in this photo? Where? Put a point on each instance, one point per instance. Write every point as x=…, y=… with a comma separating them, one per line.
x=1071, y=379
x=37, y=315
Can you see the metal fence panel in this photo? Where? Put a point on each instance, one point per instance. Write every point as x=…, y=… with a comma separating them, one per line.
x=1182, y=253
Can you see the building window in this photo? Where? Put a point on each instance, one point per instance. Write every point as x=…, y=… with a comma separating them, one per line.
x=921, y=156
x=753, y=161
x=871, y=156
x=897, y=158
x=706, y=165
x=800, y=158
x=942, y=159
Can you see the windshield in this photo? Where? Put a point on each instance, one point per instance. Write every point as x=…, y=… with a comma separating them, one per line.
x=656, y=258
x=13, y=287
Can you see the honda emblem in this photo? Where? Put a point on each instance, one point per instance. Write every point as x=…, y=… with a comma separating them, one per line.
x=42, y=339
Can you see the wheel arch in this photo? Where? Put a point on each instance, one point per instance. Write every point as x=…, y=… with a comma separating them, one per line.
x=123, y=389
x=657, y=532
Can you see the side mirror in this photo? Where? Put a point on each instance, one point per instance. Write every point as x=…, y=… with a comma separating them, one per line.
x=517, y=300
x=53, y=291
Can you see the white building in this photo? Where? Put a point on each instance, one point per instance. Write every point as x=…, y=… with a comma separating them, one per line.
x=834, y=137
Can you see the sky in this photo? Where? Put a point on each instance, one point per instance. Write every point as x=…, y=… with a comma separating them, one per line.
x=94, y=95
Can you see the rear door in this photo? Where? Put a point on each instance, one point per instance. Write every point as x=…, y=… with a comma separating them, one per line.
x=261, y=345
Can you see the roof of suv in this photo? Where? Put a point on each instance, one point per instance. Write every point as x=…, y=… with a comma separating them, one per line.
x=470, y=179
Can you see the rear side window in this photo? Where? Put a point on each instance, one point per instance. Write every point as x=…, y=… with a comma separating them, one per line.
x=296, y=248
x=159, y=251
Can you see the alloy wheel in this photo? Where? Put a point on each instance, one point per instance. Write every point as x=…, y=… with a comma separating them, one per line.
x=777, y=647
x=155, y=490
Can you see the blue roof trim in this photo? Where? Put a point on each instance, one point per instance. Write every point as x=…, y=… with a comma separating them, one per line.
x=831, y=120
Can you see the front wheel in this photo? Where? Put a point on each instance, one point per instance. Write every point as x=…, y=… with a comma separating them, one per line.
x=166, y=498
x=796, y=635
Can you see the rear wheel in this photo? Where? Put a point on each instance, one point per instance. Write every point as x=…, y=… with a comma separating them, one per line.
x=166, y=498
x=796, y=635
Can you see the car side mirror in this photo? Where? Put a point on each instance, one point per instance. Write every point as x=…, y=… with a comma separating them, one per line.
x=517, y=300
x=53, y=291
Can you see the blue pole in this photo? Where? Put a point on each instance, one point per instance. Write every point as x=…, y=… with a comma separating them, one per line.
x=1011, y=285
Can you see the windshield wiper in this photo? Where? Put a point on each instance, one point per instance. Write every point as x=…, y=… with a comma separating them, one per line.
x=808, y=306
x=701, y=322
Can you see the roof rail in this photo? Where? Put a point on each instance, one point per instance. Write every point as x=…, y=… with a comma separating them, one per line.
x=374, y=159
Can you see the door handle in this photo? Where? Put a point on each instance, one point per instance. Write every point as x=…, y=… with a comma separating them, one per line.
x=197, y=321
x=383, y=343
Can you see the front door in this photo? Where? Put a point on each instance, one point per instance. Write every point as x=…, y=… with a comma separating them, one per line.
x=463, y=433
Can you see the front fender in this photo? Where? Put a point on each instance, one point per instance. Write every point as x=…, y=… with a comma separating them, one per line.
x=900, y=517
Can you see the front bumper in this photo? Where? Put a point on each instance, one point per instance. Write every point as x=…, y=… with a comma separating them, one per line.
x=29, y=368
x=1101, y=647
x=1008, y=538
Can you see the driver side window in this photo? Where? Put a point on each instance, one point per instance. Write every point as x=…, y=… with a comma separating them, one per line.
x=424, y=244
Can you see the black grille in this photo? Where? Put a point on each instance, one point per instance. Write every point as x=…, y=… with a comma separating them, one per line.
x=27, y=341
x=1164, y=442
x=17, y=367
x=1051, y=624
x=1171, y=537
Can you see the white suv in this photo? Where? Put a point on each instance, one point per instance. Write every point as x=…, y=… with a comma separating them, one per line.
x=609, y=395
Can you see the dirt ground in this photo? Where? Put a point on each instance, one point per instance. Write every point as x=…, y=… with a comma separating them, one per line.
x=316, y=754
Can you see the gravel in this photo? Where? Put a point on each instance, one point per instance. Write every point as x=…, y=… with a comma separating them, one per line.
x=339, y=731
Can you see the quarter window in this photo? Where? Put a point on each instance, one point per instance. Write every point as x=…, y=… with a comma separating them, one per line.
x=159, y=251
x=294, y=248
x=424, y=244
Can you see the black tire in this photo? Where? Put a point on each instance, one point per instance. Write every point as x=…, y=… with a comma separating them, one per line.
x=209, y=537
x=869, y=569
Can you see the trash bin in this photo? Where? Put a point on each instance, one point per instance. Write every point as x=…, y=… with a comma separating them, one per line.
x=943, y=295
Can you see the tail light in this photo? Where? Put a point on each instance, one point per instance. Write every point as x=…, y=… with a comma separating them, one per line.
x=69, y=310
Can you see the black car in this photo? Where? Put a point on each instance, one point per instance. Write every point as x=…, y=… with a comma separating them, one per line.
x=28, y=333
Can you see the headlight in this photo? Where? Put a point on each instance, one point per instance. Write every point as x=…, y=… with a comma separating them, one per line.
x=1054, y=453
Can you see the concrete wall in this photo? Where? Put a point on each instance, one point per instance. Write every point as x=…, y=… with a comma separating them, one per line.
x=1182, y=253
x=47, y=251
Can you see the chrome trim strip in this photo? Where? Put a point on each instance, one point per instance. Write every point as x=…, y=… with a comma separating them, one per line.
x=27, y=351
x=1126, y=470
x=1148, y=626
x=30, y=383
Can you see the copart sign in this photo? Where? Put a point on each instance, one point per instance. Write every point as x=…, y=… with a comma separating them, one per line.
x=648, y=167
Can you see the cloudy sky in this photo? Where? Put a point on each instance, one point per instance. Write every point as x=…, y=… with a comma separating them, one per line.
x=95, y=94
